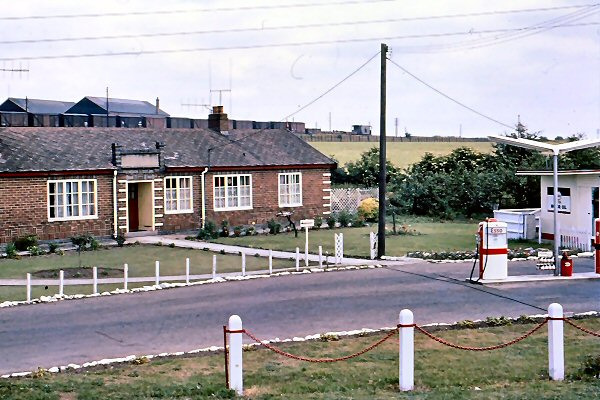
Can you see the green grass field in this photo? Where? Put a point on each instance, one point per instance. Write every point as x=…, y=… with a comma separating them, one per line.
x=516, y=372
x=401, y=154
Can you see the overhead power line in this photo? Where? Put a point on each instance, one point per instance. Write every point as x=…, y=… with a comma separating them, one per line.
x=286, y=44
x=286, y=27
x=189, y=10
x=449, y=97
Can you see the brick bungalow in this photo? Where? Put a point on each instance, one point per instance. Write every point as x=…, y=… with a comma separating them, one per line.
x=58, y=182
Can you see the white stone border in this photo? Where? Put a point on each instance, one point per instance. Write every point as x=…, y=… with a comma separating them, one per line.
x=214, y=349
x=167, y=285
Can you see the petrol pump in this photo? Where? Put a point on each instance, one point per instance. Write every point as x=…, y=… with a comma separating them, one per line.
x=492, y=247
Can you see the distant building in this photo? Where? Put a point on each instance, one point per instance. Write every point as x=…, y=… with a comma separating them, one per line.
x=361, y=129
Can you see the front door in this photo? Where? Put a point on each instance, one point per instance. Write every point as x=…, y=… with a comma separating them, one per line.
x=132, y=205
x=595, y=209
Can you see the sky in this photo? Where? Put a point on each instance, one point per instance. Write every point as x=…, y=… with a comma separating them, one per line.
x=464, y=67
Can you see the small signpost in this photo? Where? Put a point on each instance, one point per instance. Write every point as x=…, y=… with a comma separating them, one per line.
x=306, y=223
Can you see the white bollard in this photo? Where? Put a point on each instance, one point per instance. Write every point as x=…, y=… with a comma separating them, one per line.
x=407, y=351
x=61, y=283
x=297, y=259
x=187, y=271
x=28, y=287
x=243, y=264
x=320, y=256
x=125, y=275
x=556, y=352
x=306, y=248
x=157, y=272
x=236, y=381
x=270, y=262
x=214, y=274
x=95, y=280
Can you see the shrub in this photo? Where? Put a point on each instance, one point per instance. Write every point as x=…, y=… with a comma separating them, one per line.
x=81, y=241
x=237, y=231
x=11, y=250
x=591, y=366
x=52, y=247
x=35, y=250
x=94, y=244
x=357, y=220
x=120, y=239
x=331, y=221
x=274, y=226
x=225, y=228
x=318, y=222
x=23, y=242
x=369, y=209
x=208, y=232
x=344, y=218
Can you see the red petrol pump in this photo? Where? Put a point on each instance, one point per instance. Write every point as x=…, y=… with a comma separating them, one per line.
x=492, y=238
x=597, y=245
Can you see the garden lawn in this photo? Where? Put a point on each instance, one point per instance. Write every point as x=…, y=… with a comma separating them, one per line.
x=400, y=154
x=432, y=236
x=516, y=372
x=140, y=259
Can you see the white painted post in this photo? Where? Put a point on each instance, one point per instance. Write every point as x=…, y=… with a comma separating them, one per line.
x=407, y=351
x=320, y=256
x=125, y=275
x=28, y=287
x=306, y=247
x=297, y=259
x=95, y=280
x=61, y=283
x=214, y=272
x=339, y=247
x=243, y=264
x=556, y=353
x=187, y=271
x=270, y=262
x=373, y=244
x=236, y=380
x=157, y=272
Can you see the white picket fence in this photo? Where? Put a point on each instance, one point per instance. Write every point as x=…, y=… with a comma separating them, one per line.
x=349, y=199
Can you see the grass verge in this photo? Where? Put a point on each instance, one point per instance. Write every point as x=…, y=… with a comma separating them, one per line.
x=517, y=372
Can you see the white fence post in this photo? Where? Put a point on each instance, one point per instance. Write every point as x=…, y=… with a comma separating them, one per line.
x=187, y=271
x=125, y=276
x=236, y=380
x=306, y=247
x=95, y=280
x=270, y=262
x=407, y=351
x=28, y=287
x=157, y=272
x=243, y=264
x=320, y=256
x=297, y=259
x=61, y=283
x=373, y=245
x=214, y=272
x=556, y=353
x=339, y=247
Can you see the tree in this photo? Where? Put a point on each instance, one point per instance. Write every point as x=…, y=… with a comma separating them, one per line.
x=365, y=171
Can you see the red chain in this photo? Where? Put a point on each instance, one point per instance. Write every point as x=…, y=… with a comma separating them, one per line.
x=581, y=328
x=321, y=360
x=499, y=346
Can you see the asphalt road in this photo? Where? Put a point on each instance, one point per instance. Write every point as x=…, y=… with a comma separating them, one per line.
x=183, y=319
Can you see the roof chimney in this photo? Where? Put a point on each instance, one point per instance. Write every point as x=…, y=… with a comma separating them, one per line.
x=157, y=105
x=217, y=121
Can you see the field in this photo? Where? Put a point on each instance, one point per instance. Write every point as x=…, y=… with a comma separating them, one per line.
x=401, y=154
x=516, y=372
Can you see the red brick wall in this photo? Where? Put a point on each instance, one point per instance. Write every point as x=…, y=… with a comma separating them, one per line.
x=265, y=200
x=24, y=210
x=183, y=222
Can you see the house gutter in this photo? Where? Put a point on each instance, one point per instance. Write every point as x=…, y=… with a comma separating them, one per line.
x=203, y=197
x=115, y=200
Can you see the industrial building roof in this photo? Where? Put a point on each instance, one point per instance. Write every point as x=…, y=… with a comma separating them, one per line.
x=35, y=106
x=98, y=105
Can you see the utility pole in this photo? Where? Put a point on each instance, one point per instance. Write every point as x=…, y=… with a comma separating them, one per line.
x=382, y=156
x=107, y=123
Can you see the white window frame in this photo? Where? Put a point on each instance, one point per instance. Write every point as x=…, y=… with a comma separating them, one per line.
x=79, y=199
x=279, y=187
x=178, y=209
x=227, y=197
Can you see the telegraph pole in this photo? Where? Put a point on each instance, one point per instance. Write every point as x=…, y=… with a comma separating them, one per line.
x=382, y=157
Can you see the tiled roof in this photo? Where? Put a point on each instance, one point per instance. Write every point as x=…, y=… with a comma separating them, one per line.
x=77, y=149
x=36, y=106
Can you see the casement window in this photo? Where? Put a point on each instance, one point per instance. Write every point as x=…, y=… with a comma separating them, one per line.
x=232, y=192
x=178, y=194
x=72, y=199
x=290, y=189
